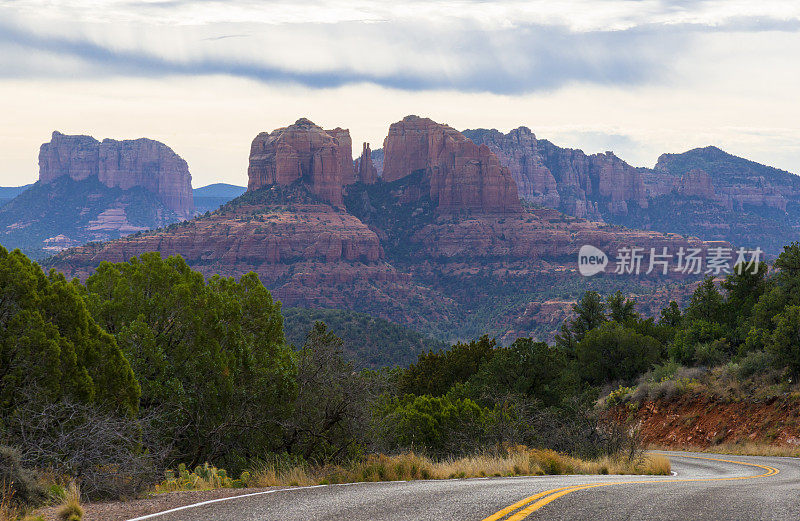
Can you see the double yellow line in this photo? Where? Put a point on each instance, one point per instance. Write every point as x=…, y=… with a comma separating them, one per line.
x=524, y=508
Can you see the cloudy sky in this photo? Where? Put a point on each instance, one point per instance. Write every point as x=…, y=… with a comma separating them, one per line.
x=640, y=77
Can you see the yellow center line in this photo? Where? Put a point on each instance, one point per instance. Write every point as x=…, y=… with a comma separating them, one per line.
x=501, y=513
x=548, y=496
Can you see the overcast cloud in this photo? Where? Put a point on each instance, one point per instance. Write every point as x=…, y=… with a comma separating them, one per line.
x=733, y=61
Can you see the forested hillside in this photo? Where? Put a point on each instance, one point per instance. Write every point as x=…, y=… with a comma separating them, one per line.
x=368, y=341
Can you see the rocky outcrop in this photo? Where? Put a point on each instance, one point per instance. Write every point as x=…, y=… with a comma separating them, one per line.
x=701, y=418
x=576, y=183
x=463, y=175
x=365, y=168
x=695, y=183
x=121, y=164
x=323, y=159
x=600, y=186
x=77, y=157
x=342, y=135
x=234, y=245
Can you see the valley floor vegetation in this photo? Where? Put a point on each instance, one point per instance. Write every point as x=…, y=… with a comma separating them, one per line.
x=122, y=384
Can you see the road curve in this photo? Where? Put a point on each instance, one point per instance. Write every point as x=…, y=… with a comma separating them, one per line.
x=705, y=487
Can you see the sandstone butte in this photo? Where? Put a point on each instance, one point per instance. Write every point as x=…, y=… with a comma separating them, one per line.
x=323, y=159
x=312, y=251
x=121, y=164
x=463, y=175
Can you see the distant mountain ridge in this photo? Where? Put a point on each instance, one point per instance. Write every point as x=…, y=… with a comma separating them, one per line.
x=219, y=190
x=704, y=192
x=210, y=197
x=7, y=193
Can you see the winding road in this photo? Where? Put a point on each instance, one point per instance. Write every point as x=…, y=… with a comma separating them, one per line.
x=704, y=487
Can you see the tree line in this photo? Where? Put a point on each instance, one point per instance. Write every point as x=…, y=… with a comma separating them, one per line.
x=148, y=364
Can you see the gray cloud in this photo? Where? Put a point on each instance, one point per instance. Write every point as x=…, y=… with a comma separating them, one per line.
x=510, y=61
x=461, y=56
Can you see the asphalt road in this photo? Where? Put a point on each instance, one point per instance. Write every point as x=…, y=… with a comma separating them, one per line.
x=704, y=488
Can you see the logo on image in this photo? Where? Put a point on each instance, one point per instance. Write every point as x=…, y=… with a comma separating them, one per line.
x=591, y=260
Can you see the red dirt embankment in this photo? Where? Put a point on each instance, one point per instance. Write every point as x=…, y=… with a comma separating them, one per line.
x=689, y=421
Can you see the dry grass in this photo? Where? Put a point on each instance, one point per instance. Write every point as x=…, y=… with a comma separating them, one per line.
x=743, y=449
x=514, y=461
x=269, y=476
x=70, y=509
x=8, y=512
x=517, y=461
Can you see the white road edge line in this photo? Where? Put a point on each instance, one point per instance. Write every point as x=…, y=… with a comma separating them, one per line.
x=210, y=501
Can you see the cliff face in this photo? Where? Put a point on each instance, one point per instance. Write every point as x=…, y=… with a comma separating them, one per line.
x=519, y=151
x=578, y=184
x=121, y=164
x=303, y=152
x=463, y=175
x=704, y=192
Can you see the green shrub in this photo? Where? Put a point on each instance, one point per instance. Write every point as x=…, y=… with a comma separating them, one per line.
x=711, y=353
x=664, y=371
x=205, y=476
x=612, y=353
x=435, y=425
x=619, y=396
x=756, y=362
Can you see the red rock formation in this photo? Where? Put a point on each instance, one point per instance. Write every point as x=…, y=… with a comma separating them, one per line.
x=618, y=181
x=313, y=254
x=342, y=135
x=123, y=164
x=307, y=254
x=309, y=233
x=463, y=175
x=564, y=178
x=519, y=151
x=367, y=173
x=75, y=156
x=303, y=151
